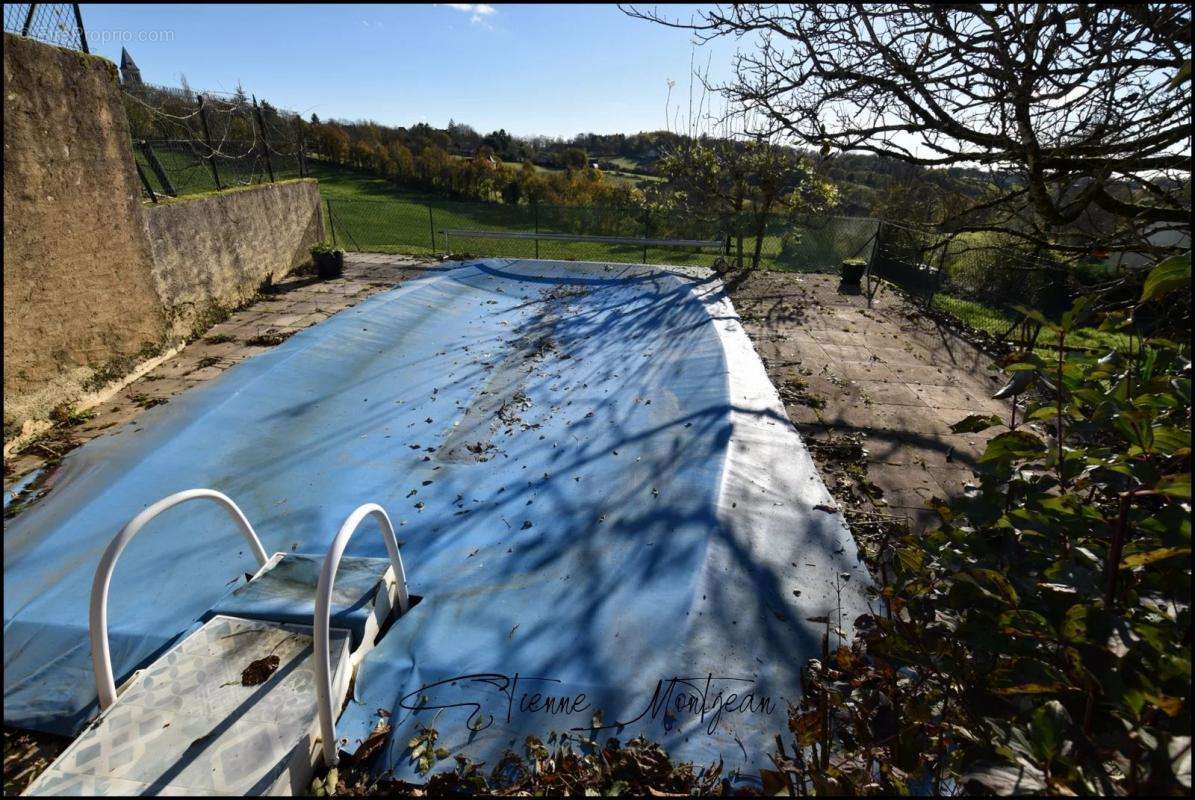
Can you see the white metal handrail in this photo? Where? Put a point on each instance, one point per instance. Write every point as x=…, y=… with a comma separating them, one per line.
x=323, y=602
x=101, y=657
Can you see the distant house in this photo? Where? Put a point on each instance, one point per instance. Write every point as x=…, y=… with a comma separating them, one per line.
x=130, y=73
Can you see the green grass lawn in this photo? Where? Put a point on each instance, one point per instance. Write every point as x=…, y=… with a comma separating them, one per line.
x=189, y=174
x=372, y=214
x=997, y=322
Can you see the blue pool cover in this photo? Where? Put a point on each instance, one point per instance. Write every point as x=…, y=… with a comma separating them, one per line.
x=608, y=516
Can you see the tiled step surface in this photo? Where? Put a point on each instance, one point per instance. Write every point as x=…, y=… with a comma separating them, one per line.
x=362, y=595
x=188, y=725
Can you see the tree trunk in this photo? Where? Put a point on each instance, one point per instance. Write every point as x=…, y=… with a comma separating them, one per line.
x=761, y=224
x=738, y=226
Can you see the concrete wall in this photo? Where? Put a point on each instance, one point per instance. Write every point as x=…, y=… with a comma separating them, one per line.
x=78, y=282
x=219, y=249
x=96, y=281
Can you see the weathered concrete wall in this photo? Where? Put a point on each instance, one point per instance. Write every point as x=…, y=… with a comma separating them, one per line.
x=78, y=283
x=95, y=281
x=219, y=249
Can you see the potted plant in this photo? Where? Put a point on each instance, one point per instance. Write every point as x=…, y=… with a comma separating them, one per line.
x=329, y=261
x=851, y=271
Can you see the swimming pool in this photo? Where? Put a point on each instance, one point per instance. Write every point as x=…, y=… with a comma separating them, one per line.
x=598, y=494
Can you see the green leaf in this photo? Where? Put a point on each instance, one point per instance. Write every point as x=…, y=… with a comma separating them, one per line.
x=1026, y=623
x=1036, y=316
x=1079, y=313
x=1171, y=706
x=910, y=559
x=1007, y=779
x=1045, y=412
x=1019, y=382
x=1171, y=440
x=1013, y=445
x=1175, y=486
x=1050, y=723
x=1074, y=624
x=1141, y=559
x=1001, y=583
x=975, y=423
x=1167, y=276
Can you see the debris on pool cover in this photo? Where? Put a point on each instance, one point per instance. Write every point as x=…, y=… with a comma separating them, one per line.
x=602, y=503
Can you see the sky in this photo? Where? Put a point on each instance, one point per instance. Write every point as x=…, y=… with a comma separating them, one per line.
x=555, y=70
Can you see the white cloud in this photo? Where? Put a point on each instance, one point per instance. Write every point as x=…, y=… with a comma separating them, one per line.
x=477, y=11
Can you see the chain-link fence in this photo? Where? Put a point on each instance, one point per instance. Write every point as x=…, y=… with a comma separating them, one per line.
x=434, y=225
x=189, y=141
x=59, y=24
x=976, y=278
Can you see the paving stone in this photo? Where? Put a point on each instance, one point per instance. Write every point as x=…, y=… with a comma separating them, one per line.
x=958, y=397
x=894, y=394
x=866, y=371
x=952, y=480
x=838, y=353
x=926, y=375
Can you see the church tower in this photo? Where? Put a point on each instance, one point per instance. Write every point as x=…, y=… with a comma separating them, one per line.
x=130, y=75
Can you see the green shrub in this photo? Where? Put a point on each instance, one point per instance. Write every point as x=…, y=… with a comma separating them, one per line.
x=1038, y=640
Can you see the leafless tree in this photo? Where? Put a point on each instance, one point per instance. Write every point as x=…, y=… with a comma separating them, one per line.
x=1082, y=112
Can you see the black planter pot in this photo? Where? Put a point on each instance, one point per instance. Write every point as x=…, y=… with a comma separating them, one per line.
x=330, y=265
x=851, y=272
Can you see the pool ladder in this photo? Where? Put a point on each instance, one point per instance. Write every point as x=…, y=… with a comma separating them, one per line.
x=101, y=658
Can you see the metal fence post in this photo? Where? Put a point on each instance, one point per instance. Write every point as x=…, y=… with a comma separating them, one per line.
x=875, y=247
x=302, y=147
x=431, y=227
x=145, y=182
x=933, y=284
x=535, y=213
x=79, y=24
x=207, y=138
x=646, y=227
x=151, y=158
x=28, y=19
x=261, y=131
x=331, y=219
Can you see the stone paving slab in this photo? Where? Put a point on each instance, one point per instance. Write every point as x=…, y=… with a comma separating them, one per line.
x=885, y=372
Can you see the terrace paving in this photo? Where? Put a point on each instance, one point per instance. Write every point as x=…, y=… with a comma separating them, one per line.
x=887, y=373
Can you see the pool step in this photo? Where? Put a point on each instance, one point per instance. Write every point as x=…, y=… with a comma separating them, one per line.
x=364, y=594
x=189, y=724
x=247, y=703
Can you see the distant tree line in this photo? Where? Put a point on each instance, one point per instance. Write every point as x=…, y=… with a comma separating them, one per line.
x=749, y=189
x=460, y=163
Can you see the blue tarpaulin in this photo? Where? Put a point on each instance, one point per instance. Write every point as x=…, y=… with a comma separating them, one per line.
x=599, y=498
